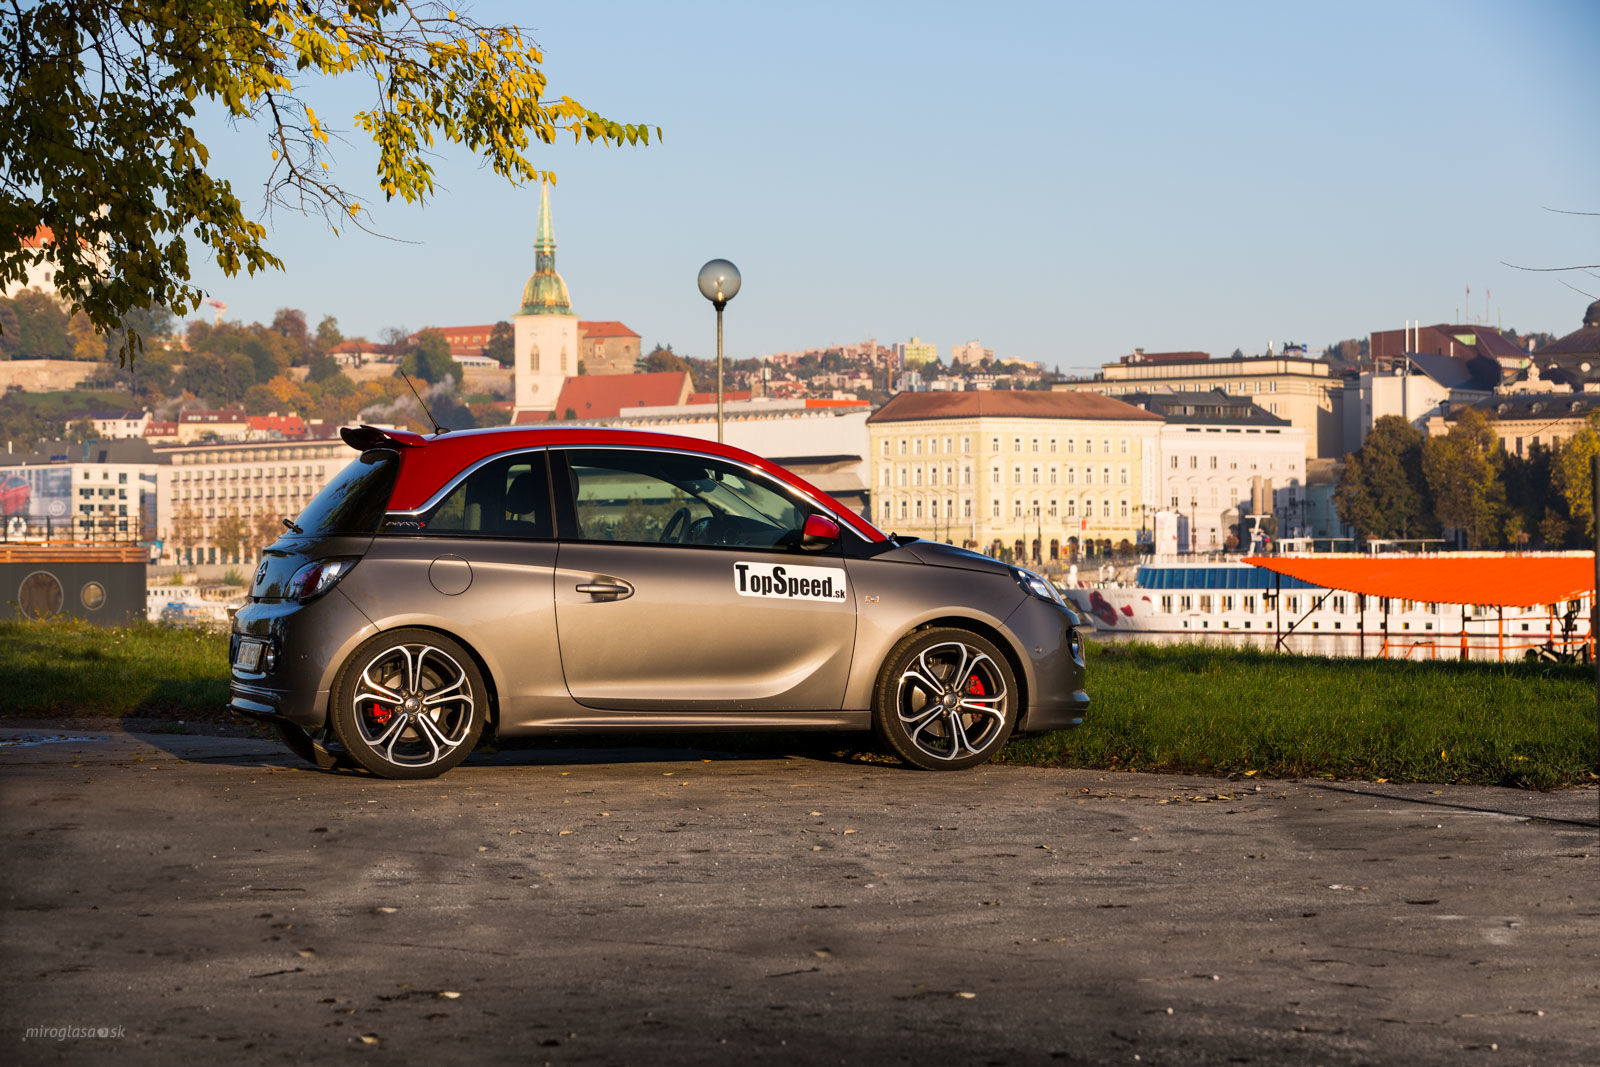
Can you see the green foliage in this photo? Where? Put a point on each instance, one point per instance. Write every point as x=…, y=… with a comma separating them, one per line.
x=1382, y=492
x=502, y=345
x=662, y=359
x=328, y=335
x=1463, y=478
x=41, y=325
x=100, y=145
x=1195, y=709
x=323, y=368
x=1573, y=477
x=429, y=359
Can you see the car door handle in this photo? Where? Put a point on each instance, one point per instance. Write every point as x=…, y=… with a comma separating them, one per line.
x=614, y=590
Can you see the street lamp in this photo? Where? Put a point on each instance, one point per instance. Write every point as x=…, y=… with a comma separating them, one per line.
x=719, y=283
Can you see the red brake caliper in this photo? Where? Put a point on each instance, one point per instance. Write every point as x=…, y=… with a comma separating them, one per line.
x=975, y=687
x=381, y=713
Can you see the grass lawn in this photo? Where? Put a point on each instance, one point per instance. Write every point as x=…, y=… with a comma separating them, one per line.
x=1193, y=709
x=65, y=667
x=1184, y=709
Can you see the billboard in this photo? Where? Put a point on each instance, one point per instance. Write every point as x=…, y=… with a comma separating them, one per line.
x=36, y=494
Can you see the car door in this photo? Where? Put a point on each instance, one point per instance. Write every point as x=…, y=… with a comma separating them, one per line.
x=680, y=586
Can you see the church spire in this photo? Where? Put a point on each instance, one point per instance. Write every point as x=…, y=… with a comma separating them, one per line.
x=545, y=293
x=544, y=246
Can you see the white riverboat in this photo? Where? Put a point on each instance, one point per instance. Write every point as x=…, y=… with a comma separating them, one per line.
x=1199, y=595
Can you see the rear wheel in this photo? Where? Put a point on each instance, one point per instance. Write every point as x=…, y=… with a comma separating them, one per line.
x=946, y=699
x=409, y=704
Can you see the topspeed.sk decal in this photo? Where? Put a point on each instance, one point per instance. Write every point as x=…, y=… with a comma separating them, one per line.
x=788, y=582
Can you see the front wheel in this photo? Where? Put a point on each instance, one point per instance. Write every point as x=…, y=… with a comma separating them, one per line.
x=946, y=699
x=409, y=704
x=316, y=747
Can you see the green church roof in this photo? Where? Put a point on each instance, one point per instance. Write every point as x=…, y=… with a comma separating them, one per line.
x=545, y=293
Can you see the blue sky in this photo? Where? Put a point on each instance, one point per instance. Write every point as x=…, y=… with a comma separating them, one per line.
x=1064, y=182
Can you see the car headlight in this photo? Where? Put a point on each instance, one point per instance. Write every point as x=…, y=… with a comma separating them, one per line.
x=1037, y=585
x=317, y=577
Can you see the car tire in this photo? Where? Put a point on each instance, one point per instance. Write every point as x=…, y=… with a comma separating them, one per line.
x=946, y=699
x=409, y=704
x=315, y=747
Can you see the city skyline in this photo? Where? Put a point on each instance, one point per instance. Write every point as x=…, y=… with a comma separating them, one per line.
x=1063, y=185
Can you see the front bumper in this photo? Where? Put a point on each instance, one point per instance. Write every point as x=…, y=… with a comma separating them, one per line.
x=1056, y=698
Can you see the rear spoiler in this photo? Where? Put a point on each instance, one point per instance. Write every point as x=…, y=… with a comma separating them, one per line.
x=364, y=437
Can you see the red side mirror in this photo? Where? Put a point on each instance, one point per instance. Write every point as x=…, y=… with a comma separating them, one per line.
x=819, y=533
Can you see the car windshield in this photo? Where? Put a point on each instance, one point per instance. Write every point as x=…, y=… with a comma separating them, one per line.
x=354, y=500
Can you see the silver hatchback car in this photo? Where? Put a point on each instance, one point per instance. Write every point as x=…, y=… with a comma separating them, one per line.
x=578, y=579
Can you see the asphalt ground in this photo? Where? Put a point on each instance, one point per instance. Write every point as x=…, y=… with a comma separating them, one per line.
x=170, y=897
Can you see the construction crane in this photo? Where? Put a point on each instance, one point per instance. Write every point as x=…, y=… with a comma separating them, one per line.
x=221, y=307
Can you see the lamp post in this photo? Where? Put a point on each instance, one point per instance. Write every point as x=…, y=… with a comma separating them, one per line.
x=719, y=283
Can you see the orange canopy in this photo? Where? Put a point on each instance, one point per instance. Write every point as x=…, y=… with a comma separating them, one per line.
x=1457, y=578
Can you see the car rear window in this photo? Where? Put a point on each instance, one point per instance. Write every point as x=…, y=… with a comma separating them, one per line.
x=354, y=500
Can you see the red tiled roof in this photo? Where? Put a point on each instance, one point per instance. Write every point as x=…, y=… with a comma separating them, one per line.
x=1006, y=403
x=288, y=425
x=829, y=402
x=41, y=237
x=604, y=396
x=604, y=329
x=161, y=429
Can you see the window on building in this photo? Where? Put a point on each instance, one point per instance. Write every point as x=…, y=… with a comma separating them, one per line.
x=1035, y=444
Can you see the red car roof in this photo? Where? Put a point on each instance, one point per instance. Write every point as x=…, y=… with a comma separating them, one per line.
x=427, y=463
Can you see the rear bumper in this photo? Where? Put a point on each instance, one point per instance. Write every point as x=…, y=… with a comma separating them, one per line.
x=309, y=642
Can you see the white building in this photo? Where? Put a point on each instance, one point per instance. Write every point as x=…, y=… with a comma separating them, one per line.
x=1222, y=459
x=546, y=328
x=969, y=353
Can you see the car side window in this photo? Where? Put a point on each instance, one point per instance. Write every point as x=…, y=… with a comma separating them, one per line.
x=671, y=498
x=506, y=497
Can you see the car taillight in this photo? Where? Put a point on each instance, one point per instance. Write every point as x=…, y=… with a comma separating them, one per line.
x=317, y=577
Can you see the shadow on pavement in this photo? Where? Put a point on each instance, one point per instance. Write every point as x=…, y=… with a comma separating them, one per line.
x=1372, y=789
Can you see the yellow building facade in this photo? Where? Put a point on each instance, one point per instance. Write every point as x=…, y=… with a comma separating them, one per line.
x=1030, y=476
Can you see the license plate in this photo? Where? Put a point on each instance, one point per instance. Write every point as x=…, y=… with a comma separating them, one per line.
x=249, y=657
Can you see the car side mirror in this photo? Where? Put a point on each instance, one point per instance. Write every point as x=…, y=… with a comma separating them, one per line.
x=819, y=533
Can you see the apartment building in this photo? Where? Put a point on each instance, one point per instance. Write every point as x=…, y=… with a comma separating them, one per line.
x=1035, y=476
x=1301, y=390
x=222, y=501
